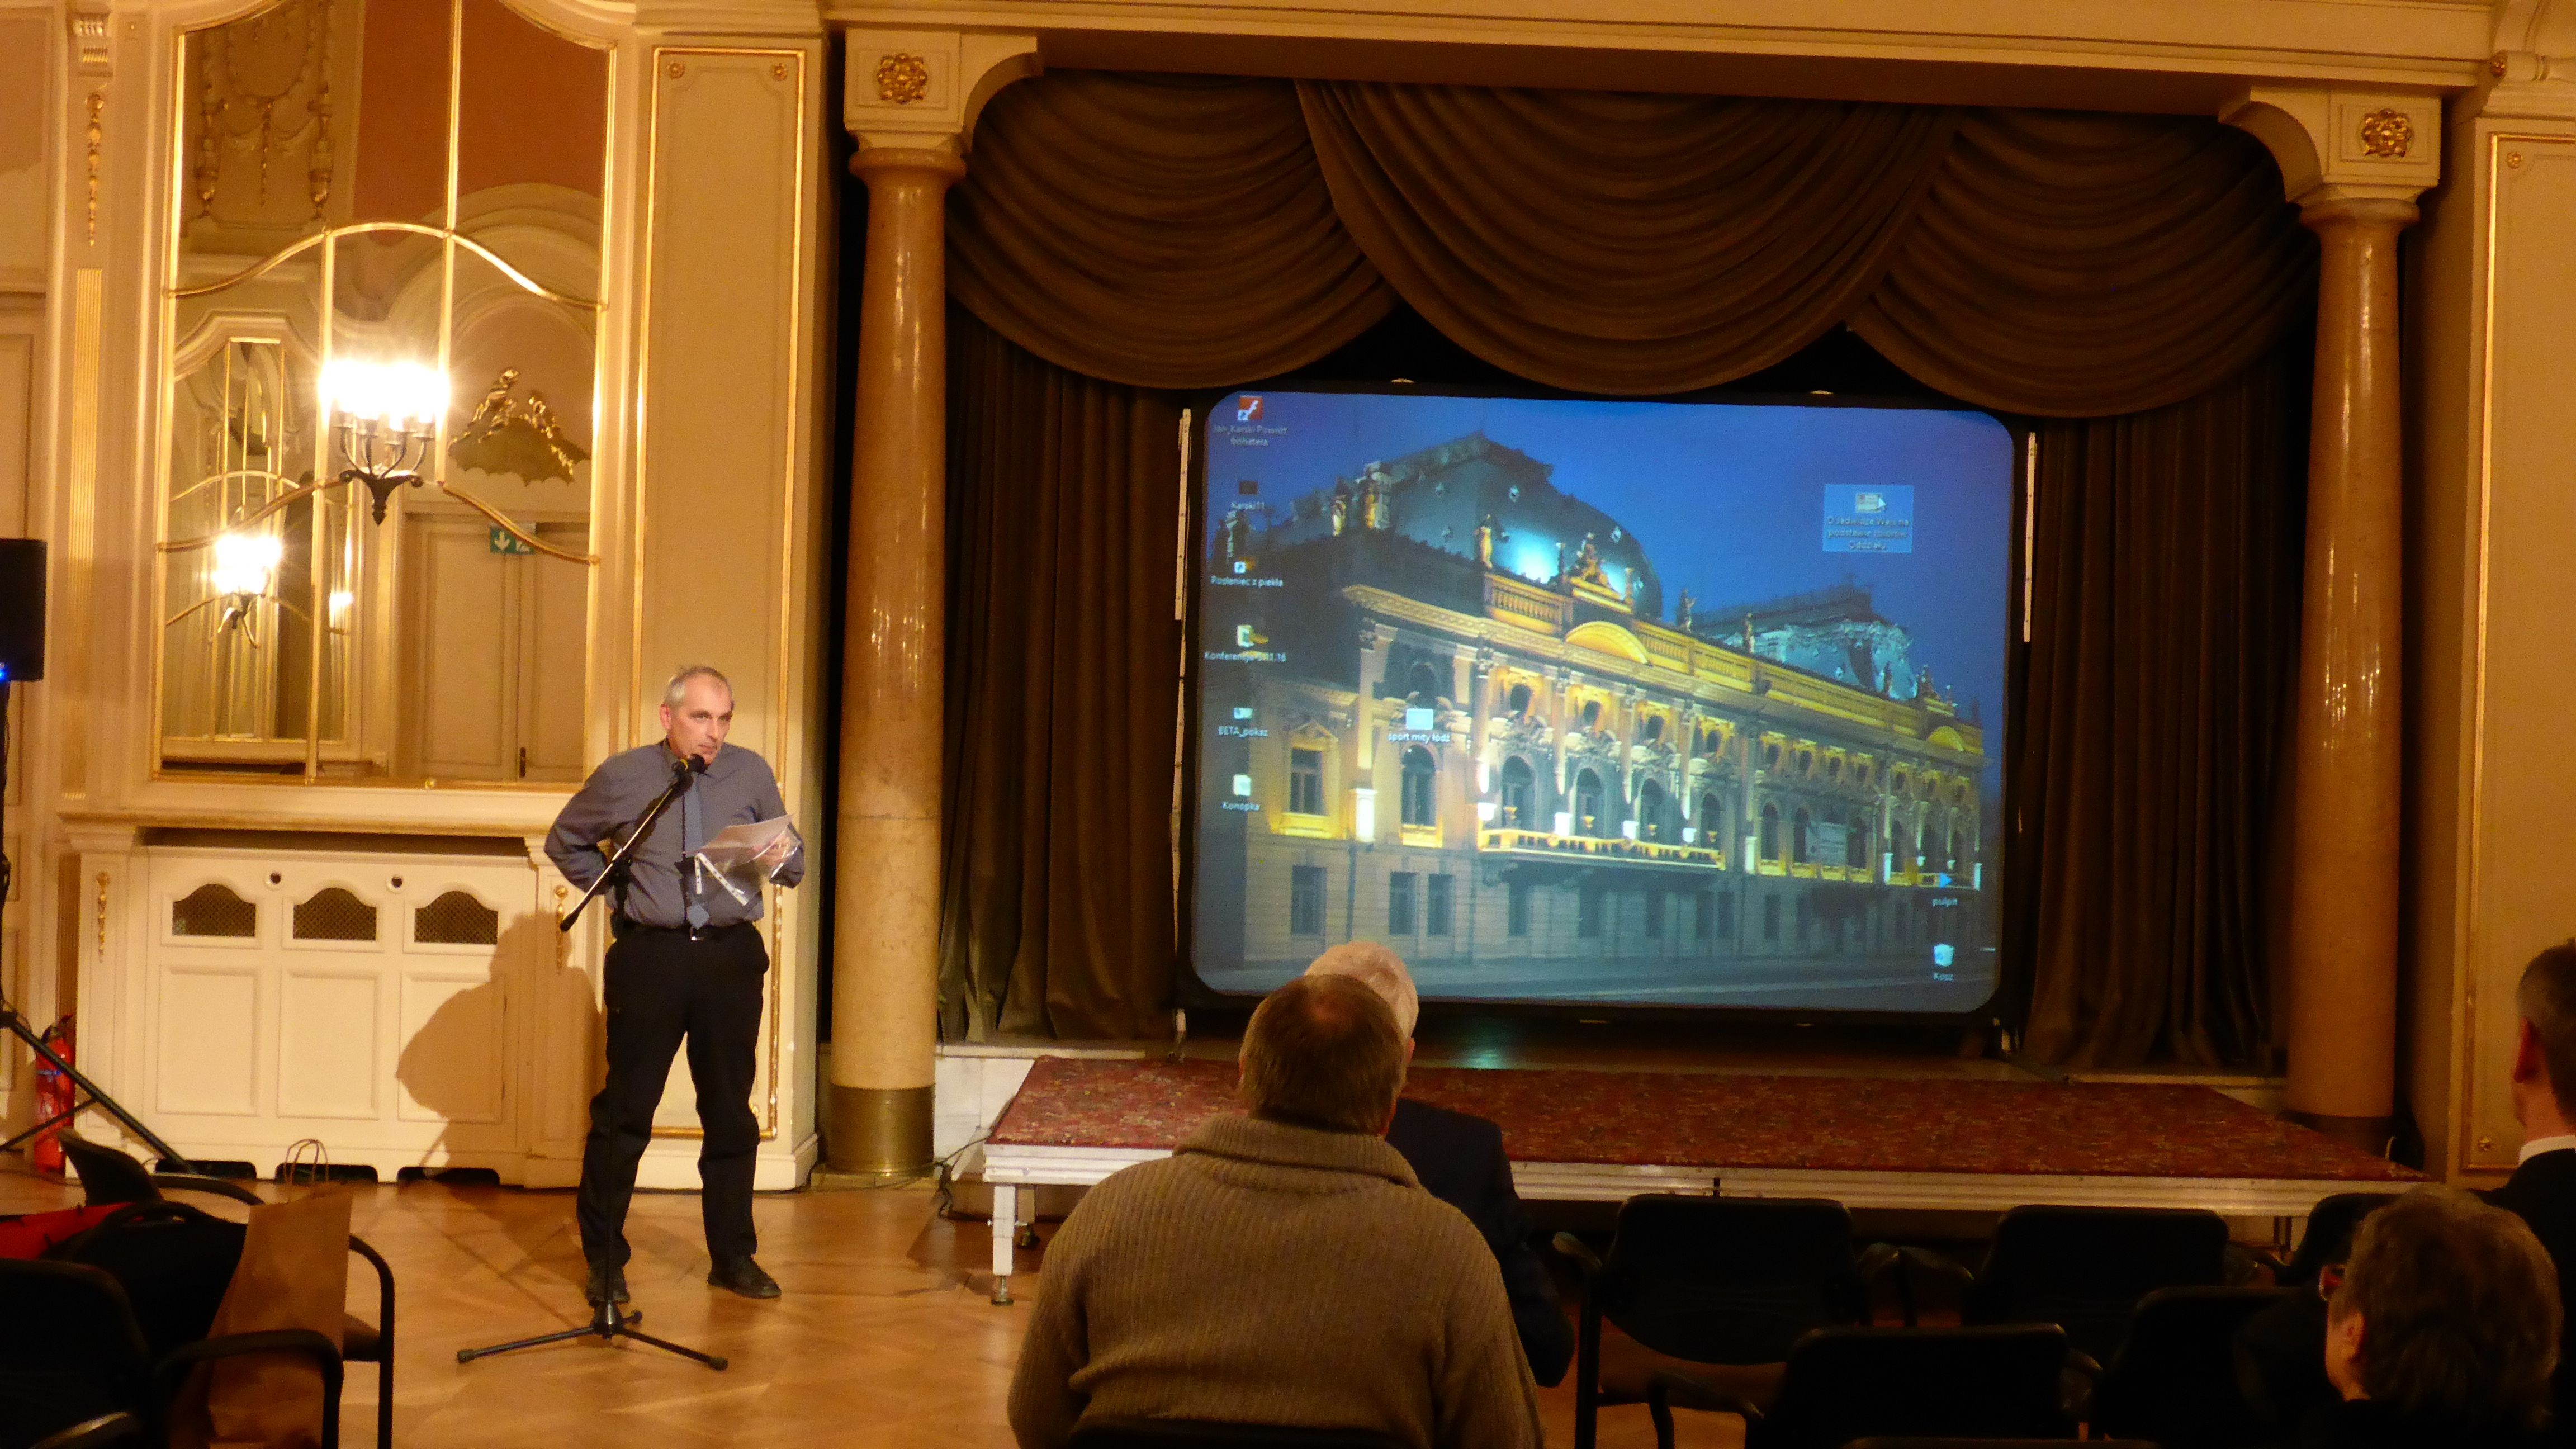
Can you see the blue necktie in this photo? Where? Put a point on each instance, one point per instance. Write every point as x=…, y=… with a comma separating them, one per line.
x=693, y=835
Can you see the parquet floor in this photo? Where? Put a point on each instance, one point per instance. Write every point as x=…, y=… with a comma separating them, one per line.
x=885, y=1336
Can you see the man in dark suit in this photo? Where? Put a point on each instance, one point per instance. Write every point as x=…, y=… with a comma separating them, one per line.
x=2542, y=1190
x=1460, y=1160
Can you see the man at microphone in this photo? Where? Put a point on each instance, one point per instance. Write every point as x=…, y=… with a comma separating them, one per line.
x=686, y=962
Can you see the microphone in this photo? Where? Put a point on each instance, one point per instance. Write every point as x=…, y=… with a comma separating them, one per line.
x=697, y=766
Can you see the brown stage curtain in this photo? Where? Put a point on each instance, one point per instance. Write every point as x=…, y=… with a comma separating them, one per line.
x=2075, y=265
x=1056, y=910
x=2164, y=638
x=1194, y=232
x=1623, y=243
x=1165, y=231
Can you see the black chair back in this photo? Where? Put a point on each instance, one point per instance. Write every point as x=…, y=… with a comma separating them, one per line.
x=107, y=1175
x=1203, y=1434
x=2328, y=1239
x=2084, y=1269
x=69, y=1351
x=2174, y=1380
x=173, y=1261
x=1843, y=1384
x=1729, y=1280
x=2001, y=1444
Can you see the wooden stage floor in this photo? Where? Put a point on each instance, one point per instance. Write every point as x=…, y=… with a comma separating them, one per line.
x=885, y=1337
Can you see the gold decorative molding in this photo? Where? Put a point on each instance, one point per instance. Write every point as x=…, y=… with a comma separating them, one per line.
x=102, y=915
x=923, y=89
x=902, y=78
x=516, y=436
x=2336, y=145
x=2433, y=44
x=263, y=89
x=97, y=134
x=262, y=267
x=90, y=44
x=2386, y=133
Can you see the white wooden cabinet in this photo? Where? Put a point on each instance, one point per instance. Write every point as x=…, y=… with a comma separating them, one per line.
x=402, y=1010
x=401, y=1006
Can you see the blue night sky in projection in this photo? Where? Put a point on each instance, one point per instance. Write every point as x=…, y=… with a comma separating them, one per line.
x=1728, y=498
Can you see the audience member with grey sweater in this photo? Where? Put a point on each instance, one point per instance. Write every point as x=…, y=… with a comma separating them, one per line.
x=1281, y=1267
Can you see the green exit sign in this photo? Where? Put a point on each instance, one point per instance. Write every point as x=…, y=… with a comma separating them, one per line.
x=504, y=541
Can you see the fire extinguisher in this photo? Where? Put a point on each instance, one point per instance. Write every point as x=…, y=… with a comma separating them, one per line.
x=54, y=1095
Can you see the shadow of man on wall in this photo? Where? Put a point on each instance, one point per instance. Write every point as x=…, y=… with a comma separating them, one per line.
x=480, y=1049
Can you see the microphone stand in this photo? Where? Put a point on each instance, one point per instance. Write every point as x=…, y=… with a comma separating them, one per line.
x=608, y=1322
x=609, y=1325
x=682, y=773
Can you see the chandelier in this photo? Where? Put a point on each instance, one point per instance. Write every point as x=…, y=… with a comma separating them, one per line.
x=384, y=416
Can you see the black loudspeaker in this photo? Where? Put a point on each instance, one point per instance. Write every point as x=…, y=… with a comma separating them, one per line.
x=22, y=609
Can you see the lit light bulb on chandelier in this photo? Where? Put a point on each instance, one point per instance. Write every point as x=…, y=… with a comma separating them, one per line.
x=243, y=562
x=387, y=415
x=404, y=396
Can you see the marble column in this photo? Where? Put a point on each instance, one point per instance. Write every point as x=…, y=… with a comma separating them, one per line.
x=885, y=939
x=2342, y=1032
x=2354, y=161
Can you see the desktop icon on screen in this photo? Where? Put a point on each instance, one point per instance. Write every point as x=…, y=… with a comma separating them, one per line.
x=1942, y=954
x=1418, y=717
x=1243, y=711
x=1243, y=789
x=1248, y=410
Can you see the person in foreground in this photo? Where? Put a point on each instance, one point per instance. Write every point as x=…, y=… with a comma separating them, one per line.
x=1460, y=1160
x=1282, y=1266
x=687, y=961
x=2278, y=1347
x=2542, y=1190
x=2443, y=1332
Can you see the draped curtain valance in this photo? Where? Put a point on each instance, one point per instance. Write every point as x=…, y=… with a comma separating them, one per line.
x=1195, y=232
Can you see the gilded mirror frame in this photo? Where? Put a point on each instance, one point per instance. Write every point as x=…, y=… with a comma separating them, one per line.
x=346, y=727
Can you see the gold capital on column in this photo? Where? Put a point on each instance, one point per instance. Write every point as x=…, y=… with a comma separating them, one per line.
x=885, y=940
x=2342, y=1035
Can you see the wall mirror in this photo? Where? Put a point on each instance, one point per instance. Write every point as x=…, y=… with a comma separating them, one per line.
x=378, y=398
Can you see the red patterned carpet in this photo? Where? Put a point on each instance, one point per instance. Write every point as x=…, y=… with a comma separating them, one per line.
x=1693, y=1120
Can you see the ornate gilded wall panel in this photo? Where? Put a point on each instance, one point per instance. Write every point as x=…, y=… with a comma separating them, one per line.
x=2520, y=894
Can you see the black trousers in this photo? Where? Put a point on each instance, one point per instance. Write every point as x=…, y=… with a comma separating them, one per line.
x=663, y=986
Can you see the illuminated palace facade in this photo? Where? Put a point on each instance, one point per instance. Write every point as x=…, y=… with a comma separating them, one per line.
x=1487, y=748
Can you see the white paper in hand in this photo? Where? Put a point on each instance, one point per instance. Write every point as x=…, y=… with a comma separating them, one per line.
x=738, y=851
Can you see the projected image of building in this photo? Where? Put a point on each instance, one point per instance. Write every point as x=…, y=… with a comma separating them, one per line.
x=1460, y=718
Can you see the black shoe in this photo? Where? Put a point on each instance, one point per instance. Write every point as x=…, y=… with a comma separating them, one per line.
x=607, y=1284
x=742, y=1276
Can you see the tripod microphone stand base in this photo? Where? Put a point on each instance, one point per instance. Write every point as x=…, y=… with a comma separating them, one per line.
x=608, y=1325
